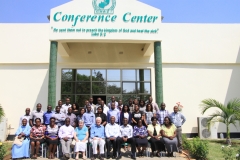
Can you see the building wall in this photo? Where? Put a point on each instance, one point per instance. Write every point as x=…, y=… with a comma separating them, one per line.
x=199, y=61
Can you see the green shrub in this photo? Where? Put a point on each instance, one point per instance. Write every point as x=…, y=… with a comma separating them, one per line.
x=2, y=150
x=228, y=153
x=238, y=155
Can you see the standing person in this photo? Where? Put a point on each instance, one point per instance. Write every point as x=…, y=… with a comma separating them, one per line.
x=120, y=105
x=99, y=102
x=162, y=113
x=154, y=105
x=51, y=135
x=137, y=115
x=65, y=134
x=47, y=115
x=113, y=112
x=168, y=133
x=38, y=113
x=126, y=136
x=81, y=112
x=72, y=117
x=105, y=108
x=26, y=116
x=81, y=138
x=140, y=134
x=60, y=105
x=154, y=137
x=142, y=106
x=130, y=104
x=59, y=116
x=102, y=115
x=89, y=117
x=36, y=137
x=93, y=106
x=178, y=120
x=125, y=114
x=149, y=114
x=91, y=101
x=75, y=109
x=112, y=131
x=23, y=132
x=88, y=104
x=97, y=138
x=112, y=101
x=66, y=105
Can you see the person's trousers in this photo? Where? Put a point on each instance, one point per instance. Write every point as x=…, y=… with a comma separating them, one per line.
x=114, y=146
x=95, y=143
x=179, y=137
x=156, y=144
x=130, y=141
x=66, y=146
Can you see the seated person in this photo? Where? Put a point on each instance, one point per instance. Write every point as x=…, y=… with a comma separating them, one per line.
x=168, y=133
x=51, y=135
x=65, y=134
x=102, y=115
x=37, y=137
x=97, y=138
x=81, y=138
x=112, y=131
x=22, y=151
x=140, y=134
x=154, y=137
x=126, y=136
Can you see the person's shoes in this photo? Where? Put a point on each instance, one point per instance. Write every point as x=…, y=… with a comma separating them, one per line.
x=93, y=158
x=133, y=156
x=108, y=156
x=67, y=155
x=180, y=151
x=101, y=158
x=119, y=156
x=114, y=157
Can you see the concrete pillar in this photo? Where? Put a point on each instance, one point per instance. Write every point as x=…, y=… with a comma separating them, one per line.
x=52, y=74
x=158, y=72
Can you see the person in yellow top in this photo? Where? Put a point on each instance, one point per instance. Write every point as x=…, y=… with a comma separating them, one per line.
x=154, y=137
x=168, y=133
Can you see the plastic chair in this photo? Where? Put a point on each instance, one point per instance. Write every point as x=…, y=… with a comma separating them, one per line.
x=42, y=150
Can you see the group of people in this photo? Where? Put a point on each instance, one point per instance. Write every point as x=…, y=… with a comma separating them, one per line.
x=114, y=124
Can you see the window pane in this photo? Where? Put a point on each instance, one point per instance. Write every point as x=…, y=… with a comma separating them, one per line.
x=143, y=75
x=81, y=100
x=67, y=75
x=113, y=75
x=99, y=87
x=113, y=88
x=98, y=75
x=68, y=88
x=83, y=75
x=144, y=88
x=71, y=97
x=129, y=88
x=83, y=88
x=129, y=75
x=127, y=97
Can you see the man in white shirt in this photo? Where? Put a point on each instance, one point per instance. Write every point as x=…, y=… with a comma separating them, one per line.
x=62, y=110
x=38, y=113
x=66, y=134
x=66, y=105
x=126, y=136
x=105, y=108
x=88, y=104
x=26, y=116
x=113, y=101
x=112, y=131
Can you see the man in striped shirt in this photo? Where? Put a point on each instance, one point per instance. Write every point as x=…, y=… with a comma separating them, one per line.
x=162, y=113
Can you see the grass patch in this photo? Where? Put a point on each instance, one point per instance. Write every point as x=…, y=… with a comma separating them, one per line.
x=8, y=147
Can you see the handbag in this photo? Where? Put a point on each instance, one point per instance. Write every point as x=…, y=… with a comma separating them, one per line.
x=18, y=141
x=73, y=143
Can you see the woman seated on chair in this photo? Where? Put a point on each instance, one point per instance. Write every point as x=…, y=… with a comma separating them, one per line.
x=80, y=136
x=52, y=137
x=168, y=133
x=21, y=150
x=154, y=137
x=36, y=137
x=140, y=134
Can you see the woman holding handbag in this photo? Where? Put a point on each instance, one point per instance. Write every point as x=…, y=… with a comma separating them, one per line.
x=20, y=148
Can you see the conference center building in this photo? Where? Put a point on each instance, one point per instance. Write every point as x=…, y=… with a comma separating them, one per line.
x=117, y=48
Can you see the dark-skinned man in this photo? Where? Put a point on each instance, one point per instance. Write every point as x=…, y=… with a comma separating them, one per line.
x=26, y=116
x=38, y=113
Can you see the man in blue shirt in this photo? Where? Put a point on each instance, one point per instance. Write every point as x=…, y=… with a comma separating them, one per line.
x=89, y=117
x=113, y=112
x=47, y=115
x=178, y=119
x=97, y=137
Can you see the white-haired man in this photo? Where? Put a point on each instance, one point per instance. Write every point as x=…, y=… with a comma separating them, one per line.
x=97, y=138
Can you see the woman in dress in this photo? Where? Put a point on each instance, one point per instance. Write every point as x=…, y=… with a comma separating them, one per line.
x=154, y=137
x=22, y=151
x=140, y=134
x=80, y=136
x=125, y=114
x=81, y=112
x=168, y=133
x=142, y=106
x=102, y=115
x=137, y=115
x=52, y=137
x=75, y=108
x=149, y=114
x=36, y=137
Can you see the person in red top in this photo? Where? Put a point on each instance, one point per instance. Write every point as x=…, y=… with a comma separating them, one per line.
x=36, y=137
